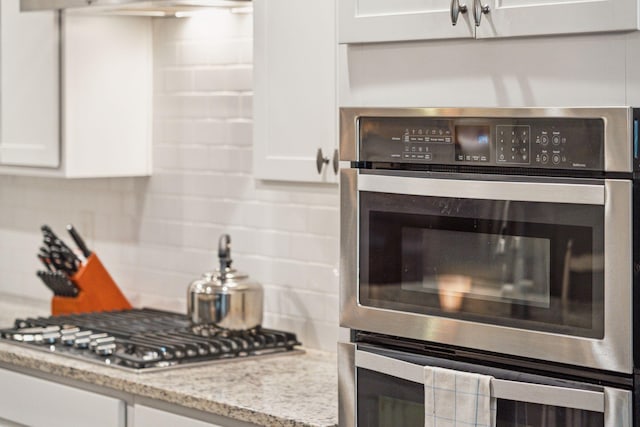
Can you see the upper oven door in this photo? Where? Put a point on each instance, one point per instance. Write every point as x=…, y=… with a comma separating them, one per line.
x=534, y=268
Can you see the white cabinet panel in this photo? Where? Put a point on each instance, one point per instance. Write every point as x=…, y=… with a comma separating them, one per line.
x=35, y=402
x=508, y=18
x=366, y=21
x=145, y=416
x=295, y=91
x=107, y=81
x=379, y=21
x=78, y=108
x=584, y=70
x=29, y=100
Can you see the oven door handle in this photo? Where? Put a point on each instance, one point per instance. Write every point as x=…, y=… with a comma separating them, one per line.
x=546, y=192
x=502, y=389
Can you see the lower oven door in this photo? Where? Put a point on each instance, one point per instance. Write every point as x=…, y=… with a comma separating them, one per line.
x=384, y=388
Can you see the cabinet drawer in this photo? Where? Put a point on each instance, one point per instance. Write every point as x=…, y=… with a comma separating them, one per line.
x=36, y=402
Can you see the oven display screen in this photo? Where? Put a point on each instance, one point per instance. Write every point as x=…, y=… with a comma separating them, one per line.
x=472, y=143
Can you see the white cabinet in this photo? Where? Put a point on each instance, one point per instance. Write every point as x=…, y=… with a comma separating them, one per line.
x=295, y=112
x=29, y=77
x=507, y=18
x=107, y=95
x=35, y=402
x=145, y=416
x=76, y=94
x=364, y=21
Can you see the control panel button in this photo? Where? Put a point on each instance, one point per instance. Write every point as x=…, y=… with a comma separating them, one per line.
x=544, y=158
x=555, y=139
x=513, y=144
x=544, y=140
x=555, y=159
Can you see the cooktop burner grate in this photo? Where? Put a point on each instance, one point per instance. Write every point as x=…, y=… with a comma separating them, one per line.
x=144, y=340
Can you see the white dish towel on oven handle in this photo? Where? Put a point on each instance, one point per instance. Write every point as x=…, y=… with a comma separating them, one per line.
x=457, y=399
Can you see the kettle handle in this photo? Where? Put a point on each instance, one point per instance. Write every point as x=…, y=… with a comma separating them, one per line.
x=224, y=254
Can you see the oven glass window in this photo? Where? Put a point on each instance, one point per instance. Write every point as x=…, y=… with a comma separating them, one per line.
x=387, y=401
x=531, y=265
x=511, y=413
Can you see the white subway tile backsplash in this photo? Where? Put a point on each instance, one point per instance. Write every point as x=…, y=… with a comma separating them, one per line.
x=323, y=221
x=181, y=106
x=207, y=185
x=240, y=78
x=245, y=50
x=241, y=132
x=225, y=105
x=194, y=158
x=246, y=106
x=166, y=157
x=176, y=131
x=202, y=236
x=179, y=80
x=236, y=78
x=155, y=235
x=211, y=132
x=311, y=248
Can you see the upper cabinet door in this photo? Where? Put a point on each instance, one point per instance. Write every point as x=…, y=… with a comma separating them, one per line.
x=509, y=18
x=295, y=114
x=29, y=81
x=368, y=21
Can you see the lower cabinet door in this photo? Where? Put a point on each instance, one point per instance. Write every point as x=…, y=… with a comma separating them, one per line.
x=36, y=402
x=145, y=416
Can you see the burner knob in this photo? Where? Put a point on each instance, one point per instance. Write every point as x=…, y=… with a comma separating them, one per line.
x=105, y=349
x=93, y=339
x=68, y=335
x=82, y=339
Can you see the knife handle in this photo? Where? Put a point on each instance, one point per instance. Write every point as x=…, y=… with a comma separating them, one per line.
x=79, y=242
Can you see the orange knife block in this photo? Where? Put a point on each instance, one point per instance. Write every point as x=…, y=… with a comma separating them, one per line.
x=96, y=291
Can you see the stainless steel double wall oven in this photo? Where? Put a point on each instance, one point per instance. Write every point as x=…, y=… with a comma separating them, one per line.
x=497, y=241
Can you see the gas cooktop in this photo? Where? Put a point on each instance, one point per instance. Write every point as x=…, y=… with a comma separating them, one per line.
x=144, y=340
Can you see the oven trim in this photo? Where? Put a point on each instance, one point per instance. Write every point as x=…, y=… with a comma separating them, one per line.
x=618, y=150
x=502, y=389
x=612, y=353
x=486, y=190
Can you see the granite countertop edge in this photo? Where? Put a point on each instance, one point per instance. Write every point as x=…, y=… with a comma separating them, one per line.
x=83, y=372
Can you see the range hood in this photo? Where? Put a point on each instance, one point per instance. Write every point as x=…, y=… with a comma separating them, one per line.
x=132, y=7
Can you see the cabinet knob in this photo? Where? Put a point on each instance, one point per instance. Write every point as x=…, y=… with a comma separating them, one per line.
x=457, y=9
x=321, y=160
x=336, y=161
x=478, y=10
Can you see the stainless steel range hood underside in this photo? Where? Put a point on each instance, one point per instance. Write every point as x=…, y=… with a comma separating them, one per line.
x=129, y=7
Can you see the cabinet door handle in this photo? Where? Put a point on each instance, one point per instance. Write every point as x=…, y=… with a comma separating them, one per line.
x=478, y=10
x=321, y=160
x=456, y=9
x=336, y=161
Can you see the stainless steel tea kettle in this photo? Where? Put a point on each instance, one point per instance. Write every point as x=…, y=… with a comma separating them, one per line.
x=225, y=297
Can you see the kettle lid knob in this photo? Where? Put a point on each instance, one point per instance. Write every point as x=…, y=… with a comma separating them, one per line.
x=224, y=254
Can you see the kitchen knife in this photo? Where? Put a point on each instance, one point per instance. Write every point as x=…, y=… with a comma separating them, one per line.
x=59, y=284
x=45, y=279
x=76, y=238
x=46, y=262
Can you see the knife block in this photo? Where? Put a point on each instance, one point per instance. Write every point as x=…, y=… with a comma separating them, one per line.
x=96, y=291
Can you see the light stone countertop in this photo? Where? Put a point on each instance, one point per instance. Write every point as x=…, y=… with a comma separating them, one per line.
x=285, y=390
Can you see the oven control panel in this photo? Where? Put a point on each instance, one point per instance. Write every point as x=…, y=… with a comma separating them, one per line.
x=556, y=143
